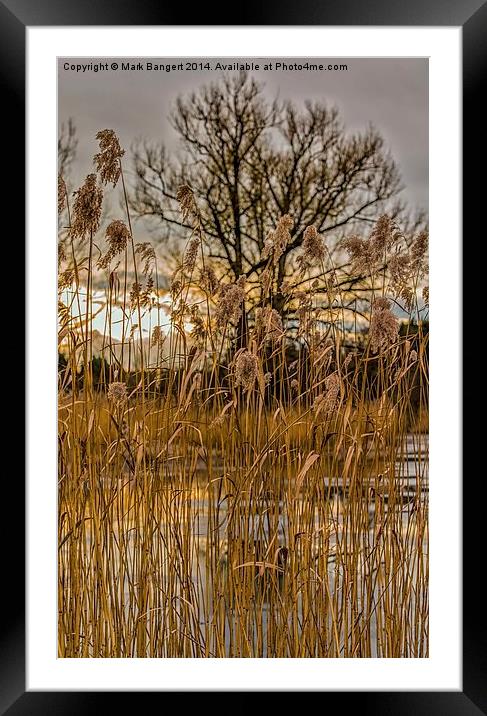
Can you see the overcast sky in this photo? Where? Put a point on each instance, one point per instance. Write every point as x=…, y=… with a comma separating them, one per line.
x=390, y=93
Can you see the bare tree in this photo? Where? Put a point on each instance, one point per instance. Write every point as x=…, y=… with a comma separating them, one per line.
x=67, y=146
x=250, y=161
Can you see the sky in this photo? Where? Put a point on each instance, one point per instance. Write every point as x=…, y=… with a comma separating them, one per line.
x=390, y=93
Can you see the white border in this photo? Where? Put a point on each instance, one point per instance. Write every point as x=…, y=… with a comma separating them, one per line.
x=442, y=671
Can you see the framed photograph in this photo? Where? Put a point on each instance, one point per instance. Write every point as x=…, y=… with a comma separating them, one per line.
x=234, y=234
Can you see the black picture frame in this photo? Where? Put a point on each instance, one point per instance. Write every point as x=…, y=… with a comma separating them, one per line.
x=471, y=15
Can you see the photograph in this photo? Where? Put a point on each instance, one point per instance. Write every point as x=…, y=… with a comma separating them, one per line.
x=242, y=358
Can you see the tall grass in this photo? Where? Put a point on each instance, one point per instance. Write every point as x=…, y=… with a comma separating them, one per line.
x=239, y=488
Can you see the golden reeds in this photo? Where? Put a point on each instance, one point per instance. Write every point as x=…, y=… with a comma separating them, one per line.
x=266, y=498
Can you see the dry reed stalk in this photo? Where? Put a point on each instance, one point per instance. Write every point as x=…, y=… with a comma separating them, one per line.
x=236, y=503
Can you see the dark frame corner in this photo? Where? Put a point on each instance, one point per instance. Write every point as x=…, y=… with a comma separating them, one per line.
x=15, y=17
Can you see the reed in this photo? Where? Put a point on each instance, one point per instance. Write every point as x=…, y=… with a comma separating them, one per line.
x=229, y=491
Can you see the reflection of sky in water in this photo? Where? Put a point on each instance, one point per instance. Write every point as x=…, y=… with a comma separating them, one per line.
x=329, y=528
